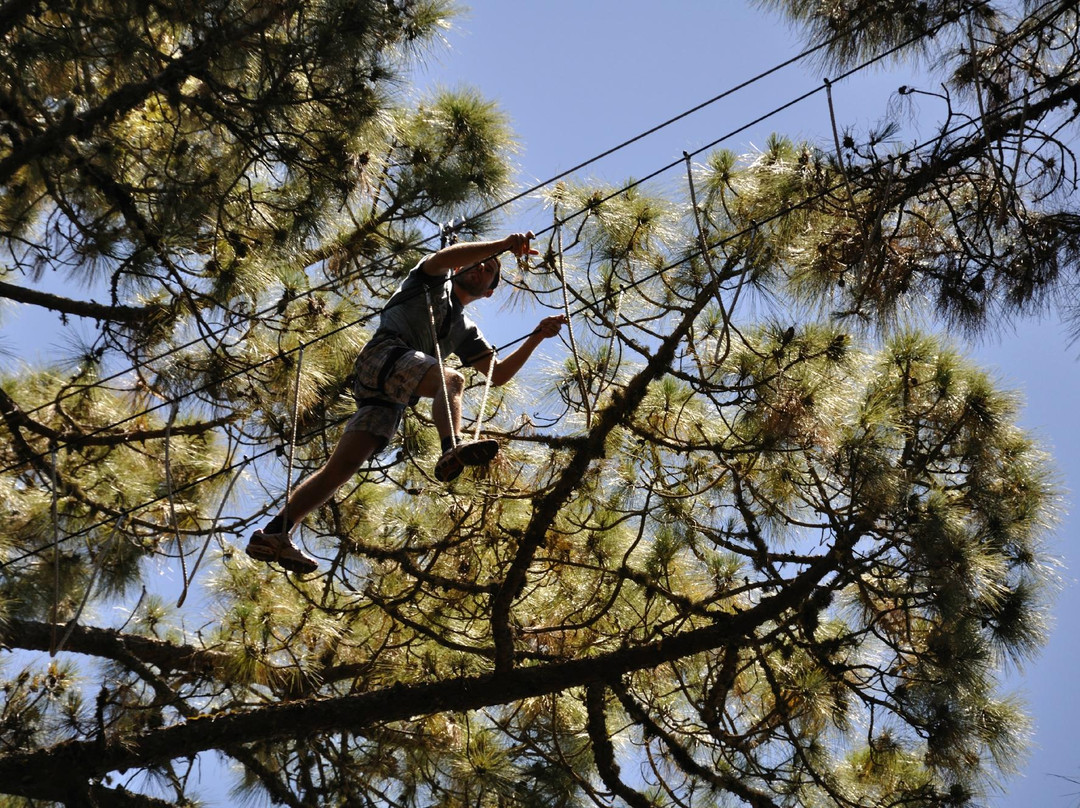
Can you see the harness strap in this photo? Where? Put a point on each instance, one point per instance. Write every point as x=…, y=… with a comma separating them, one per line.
x=378, y=402
x=388, y=364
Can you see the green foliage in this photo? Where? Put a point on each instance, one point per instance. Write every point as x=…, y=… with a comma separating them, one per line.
x=715, y=550
x=976, y=222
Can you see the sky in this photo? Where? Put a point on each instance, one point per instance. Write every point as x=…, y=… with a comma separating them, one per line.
x=578, y=77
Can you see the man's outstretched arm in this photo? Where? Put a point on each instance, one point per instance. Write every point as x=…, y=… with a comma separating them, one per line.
x=506, y=369
x=468, y=253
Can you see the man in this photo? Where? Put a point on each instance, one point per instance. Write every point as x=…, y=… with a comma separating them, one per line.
x=399, y=366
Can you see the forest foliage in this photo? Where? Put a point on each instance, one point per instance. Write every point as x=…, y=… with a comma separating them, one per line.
x=724, y=558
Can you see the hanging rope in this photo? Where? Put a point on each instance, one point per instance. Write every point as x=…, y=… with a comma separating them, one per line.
x=570, y=322
x=292, y=436
x=447, y=236
x=442, y=369
x=173, y=411
x=217, y=518
x=56, y=553
x=98, y=564
x=487, y=390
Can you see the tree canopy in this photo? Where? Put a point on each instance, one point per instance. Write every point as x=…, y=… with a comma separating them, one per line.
x=724, y=559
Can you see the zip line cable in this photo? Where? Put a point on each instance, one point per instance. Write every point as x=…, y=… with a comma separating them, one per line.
x=752, y=228
x=377, y=262
x=331, y=285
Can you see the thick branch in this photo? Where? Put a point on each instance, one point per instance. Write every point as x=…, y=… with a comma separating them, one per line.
x=604, y=750
x=684, y=759
x=16, y=417
x=108, y=643
x=129, y=315
x=995, y=129
x=39, y=774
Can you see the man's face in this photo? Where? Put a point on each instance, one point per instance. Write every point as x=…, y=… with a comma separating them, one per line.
x=477, y=279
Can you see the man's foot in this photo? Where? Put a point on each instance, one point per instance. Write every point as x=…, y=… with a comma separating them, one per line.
x=469, y=453
x=277, y=547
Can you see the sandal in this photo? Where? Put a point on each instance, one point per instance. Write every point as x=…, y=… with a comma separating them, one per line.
x=271, y=547
x=470, y=453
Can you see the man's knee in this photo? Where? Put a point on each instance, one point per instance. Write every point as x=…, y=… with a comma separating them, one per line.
x=455, y=382
x=431, y=386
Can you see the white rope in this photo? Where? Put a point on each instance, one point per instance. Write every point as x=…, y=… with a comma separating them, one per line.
x=480, y=416
x=292, y=436
x=570, y=325
x=442, y=368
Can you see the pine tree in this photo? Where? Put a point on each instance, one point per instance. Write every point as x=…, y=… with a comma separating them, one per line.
x=769, y=562
x=981, y=222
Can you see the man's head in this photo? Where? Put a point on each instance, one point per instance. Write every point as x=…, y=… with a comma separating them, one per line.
x=480, y=279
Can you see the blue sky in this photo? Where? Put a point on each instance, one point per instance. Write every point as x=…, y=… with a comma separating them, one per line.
x=577, y=77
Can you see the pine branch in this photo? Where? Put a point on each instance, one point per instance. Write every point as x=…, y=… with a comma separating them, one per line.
x=548, y=507
x=38, y=774
x=67, y=487
x=996, y=128
x=73, y=439
x=128, y=315
x=604, y=751
x=684, y=759
x=130, y=96
x=107, y=643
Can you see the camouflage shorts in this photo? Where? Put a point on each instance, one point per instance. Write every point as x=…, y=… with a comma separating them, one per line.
x=387, y=374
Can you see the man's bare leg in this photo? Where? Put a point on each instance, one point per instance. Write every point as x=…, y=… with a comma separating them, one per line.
x=446, y=413
x=352, y=451
x=272, y=543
